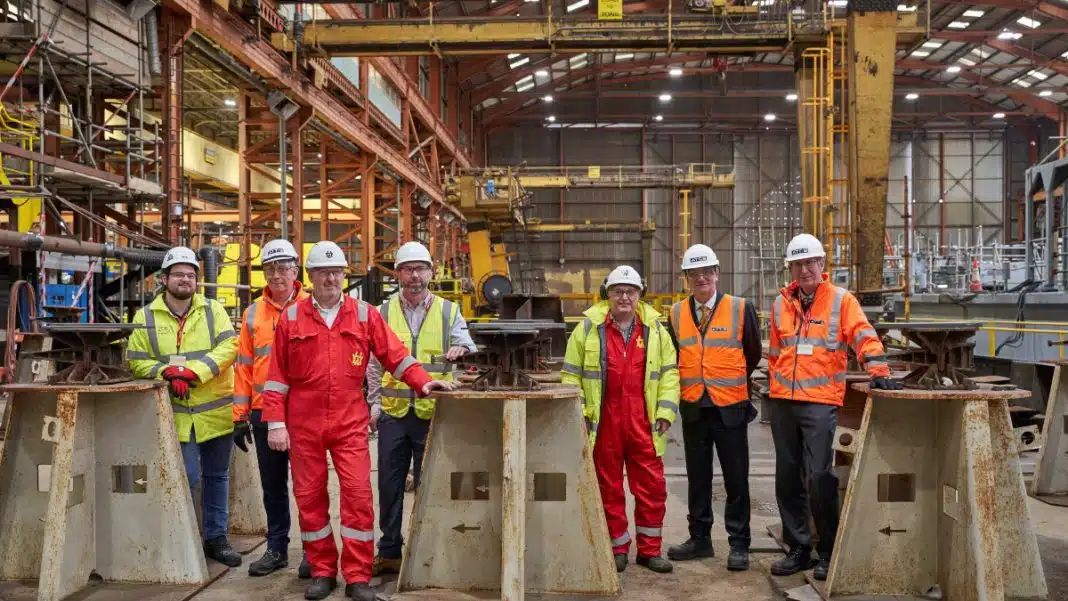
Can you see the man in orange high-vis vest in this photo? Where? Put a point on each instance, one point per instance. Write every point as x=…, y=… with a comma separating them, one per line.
x=279, y=260
x=718, y=341
x=812, y=324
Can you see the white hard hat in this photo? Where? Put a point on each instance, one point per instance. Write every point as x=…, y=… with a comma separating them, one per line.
x=624, y=275
x=277, y=250
x=179, y=255
x=698, y=256
x=325, y=254
x=412, y=251
x=804, y=246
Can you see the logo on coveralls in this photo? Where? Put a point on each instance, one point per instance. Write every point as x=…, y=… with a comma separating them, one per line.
x=717, y=329
x=640, y=342
x=357, y=359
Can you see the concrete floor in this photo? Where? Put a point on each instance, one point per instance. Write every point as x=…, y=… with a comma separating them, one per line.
x=702, y=580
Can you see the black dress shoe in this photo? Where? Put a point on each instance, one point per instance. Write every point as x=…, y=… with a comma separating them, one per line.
x=621, y=561
x=797, y=560
x=320, y=588
x=304, y=571
x=220, y=550
x=272, y=560
x=360, y=591
x=820, y=573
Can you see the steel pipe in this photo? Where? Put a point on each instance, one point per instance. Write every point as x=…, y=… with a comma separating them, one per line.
x=136, y=256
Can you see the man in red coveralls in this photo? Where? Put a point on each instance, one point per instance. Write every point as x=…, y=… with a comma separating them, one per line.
x=313, y=403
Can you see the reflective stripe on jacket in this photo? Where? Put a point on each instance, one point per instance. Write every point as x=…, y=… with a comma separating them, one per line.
x=715, y=361
x=432, y=340
x=585, y=366
x=254, y=350
x=209, y=345
x=318, y=371
x=807, y=352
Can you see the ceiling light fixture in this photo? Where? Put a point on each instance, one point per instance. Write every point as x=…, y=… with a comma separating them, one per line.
x=675, y=72
x=911, y=96
x=577, y=5
x=659, y=117
x=953, y=69
x=769, y=117
x=230, y=102
x=541, y=73
x=551, y=118
x=999, y=115
x=547, y=98
x=665, y=98
x=1046, y=93
x=791, y=97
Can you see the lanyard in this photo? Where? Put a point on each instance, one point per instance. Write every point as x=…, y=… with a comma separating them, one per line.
x=181, y=329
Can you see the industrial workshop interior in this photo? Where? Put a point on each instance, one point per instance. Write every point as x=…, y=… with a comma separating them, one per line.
x=461, y=300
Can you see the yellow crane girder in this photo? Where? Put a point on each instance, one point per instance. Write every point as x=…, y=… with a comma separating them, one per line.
x=685, y=32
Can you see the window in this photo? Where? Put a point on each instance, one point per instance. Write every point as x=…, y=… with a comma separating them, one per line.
x=424, y=77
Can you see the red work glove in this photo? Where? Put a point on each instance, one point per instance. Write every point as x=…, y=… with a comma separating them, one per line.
x=181, y=381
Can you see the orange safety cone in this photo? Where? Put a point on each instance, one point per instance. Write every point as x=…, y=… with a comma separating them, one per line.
x=976, y=284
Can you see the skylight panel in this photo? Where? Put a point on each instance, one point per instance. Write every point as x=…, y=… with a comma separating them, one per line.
x=959, y=25
x=974, y=14
x=1023, y=83
x=921, y=53
x=1029, y=22
x=577, y=5
x=520, y=62
x=966, y=61
x=1037, y=74
x=933, y=44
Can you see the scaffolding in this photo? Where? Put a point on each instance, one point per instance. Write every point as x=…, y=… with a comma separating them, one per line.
x=74, y=134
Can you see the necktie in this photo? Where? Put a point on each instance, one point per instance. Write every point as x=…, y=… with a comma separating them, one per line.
x=706, y=316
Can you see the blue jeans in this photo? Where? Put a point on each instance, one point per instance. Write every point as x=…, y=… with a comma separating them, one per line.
x=210, y=461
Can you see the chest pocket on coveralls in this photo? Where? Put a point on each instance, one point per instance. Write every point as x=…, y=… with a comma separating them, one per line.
x=355, y=353
x=303, y=348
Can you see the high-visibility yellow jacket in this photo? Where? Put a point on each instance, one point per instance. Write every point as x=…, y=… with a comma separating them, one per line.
x=433, y=339
x=209, y=345
x=585, y=365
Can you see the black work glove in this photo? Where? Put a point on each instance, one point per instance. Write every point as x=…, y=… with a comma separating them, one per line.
x=242, y=435
x=884, y=383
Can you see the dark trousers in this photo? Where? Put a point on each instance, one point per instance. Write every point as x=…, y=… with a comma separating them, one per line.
x=208, y=464
x=399, y=442
x=274, y=478
x=706, y=430
x=804, y=475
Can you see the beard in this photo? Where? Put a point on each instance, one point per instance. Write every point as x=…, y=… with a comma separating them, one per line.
x=180, y=294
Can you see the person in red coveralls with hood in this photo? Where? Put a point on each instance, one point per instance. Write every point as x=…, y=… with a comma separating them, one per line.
x=313, y=403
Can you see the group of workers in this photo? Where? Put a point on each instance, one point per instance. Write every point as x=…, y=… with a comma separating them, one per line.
x=635, y=374
x=291, y=383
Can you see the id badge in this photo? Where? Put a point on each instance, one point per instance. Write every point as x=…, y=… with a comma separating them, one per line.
x=804, y=349
x=177, y=361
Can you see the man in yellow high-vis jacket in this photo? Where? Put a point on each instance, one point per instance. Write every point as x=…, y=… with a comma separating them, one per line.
x=189, y=341
x=430, y=327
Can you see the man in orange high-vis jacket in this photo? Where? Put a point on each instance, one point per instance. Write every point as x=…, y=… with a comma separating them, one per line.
x=718, y=342
x=279, y=260
x=812, y=324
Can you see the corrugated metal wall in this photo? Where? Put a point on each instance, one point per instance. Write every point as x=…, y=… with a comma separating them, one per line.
x=965, y=170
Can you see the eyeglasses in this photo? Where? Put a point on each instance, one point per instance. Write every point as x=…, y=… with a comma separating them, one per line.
x=705, y=272
x=408, y=269
x=278, y=269
x=182, y=276
x=632, y=293
x=810, y=264
x=332, y=273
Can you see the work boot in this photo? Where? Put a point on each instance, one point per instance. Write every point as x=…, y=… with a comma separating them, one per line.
x=320, y=588
x=797, y=560
x=360, y=591
x=621, y=561
x=820, y=573
x=220, y=550
x=272, y=560
x=304, y=571
x=657, y=564
x=385, y=565
x=738, y=560
x=693, y=548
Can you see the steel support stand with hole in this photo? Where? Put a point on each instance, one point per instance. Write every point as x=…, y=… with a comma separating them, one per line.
x=936, y=499
x=508, y=499
x=92, y=481
x=1050, y=482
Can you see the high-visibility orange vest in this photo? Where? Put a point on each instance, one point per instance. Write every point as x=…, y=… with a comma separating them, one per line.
x=712, y=361
x=807, y=350
x=254, y=350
